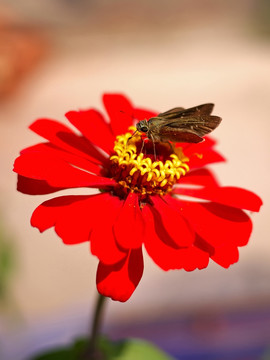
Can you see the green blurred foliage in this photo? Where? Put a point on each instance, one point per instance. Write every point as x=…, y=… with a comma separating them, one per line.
x=130, y=349
x=266, y=356
x=6, y=265
x=261, y=18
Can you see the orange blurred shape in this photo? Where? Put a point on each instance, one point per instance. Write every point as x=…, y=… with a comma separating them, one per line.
x=21, y=49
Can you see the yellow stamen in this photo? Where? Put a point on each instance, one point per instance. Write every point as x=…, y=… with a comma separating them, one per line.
x=138, y=172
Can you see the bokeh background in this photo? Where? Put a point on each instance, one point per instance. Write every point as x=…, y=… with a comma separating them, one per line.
x=60, y=55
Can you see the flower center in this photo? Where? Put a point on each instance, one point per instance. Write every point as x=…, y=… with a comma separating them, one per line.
x=144, y=167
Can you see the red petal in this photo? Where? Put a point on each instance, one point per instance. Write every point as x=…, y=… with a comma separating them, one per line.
x=103, y=242
x=226, y=255
x=120, y=112
x=231, y=196
x=56, y=172
x=129, y=226
x=53, y=151
x=141, y=114
x=191, y=148
x=93, y=126
x=169, y=219
x=166, y=256
x=72, y=216
x=217, y=224
x=198, y=160
x=35, y=187
x=119, y=281
x=201, y=154
x=203, y=177
x=61, y=136
x=80, y=218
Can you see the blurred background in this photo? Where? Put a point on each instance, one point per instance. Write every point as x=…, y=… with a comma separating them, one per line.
x=60, y=55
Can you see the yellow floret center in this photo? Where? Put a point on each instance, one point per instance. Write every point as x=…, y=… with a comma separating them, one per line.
x=133, y=168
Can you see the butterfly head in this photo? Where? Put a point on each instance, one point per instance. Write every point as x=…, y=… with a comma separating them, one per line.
x=142, y=126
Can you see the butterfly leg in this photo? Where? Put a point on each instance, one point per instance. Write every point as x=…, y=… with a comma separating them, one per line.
x=142, y=145
x=154, y=146
x=172, y=149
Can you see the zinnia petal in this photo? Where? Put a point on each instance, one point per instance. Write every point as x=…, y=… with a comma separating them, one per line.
x=226, y=255
x=202, y=154
x=61, y=136
x=129, y=226
x=199, y=160
x=119, y=281
x=203, y=146
x=103, y=241
x=169, y=219
x=231, y=196
x=120, y=111
x=48, y=149
x=141, y=114
x=93, y=126
x=71, y=215
x=218, y=224
x=56, y=172
x=165, y=255
x=201, y=177
x=35, y=187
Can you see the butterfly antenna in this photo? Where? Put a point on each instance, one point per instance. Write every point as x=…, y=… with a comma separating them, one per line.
x=132, y=116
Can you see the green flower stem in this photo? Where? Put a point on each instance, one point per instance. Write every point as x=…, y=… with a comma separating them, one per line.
x=92, y=352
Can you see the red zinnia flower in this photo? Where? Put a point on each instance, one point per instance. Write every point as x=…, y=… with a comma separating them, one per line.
x=140, y=199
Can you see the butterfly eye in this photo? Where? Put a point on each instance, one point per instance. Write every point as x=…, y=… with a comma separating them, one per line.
x=142, y=127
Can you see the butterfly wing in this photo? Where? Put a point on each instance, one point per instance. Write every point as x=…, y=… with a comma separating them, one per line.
x=176, y=135
x=170, y=113
x=183, y=125
x=201, y=125
x=179, y=112
x=189, y=129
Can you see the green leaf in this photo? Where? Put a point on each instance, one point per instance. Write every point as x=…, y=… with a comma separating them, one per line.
x=266, y=355
x=129, y=349
x=6, y=265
